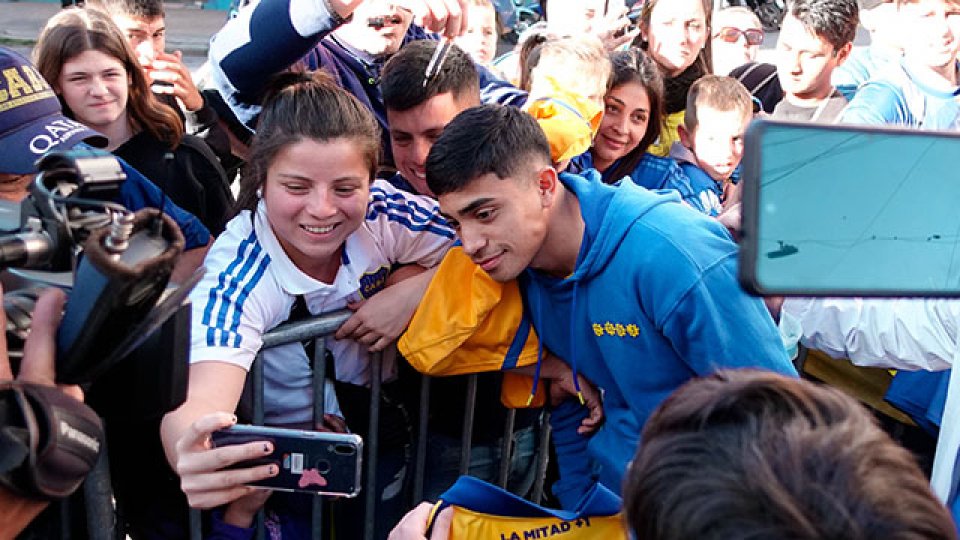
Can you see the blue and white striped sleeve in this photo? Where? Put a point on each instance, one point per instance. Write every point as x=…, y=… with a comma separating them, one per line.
x=495, y=90
x=228, y=320
x=265, y=38
x=409, y=227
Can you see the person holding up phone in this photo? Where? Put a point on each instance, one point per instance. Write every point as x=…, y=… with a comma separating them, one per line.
x=312, y=224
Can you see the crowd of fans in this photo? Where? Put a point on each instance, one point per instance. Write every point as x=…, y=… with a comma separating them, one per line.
x=565, y=214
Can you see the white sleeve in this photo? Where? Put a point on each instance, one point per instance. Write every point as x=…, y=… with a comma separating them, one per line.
x=229, y=316
x=265, y=38
x=901, y=333
x=409, y=227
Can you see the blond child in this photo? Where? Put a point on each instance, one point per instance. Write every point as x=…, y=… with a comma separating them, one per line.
x=719, y=109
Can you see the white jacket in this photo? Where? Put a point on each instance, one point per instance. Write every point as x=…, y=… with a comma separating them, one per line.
x=900, y=333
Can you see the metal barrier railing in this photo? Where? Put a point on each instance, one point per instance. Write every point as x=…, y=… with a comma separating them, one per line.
x=318, y=328
x=98, y=494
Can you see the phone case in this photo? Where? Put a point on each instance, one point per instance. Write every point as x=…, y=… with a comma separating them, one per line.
x=315, y=462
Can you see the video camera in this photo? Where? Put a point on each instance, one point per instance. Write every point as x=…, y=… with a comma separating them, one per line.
x=120, y=263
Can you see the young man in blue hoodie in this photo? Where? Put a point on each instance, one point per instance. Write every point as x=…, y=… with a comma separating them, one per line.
x=633, y=289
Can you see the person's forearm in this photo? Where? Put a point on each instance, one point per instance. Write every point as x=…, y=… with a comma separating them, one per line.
x=264, y=41
x=16, y=512
x=415, y=280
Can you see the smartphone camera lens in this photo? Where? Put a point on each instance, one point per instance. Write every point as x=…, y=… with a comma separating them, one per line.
x=344, y=449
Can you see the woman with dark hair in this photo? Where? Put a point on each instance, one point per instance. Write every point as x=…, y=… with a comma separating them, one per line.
x=632, y=121
x=676, y=35
x=95, y=73
x=315, y=230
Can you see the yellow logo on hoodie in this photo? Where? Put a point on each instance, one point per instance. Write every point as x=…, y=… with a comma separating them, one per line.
x=615, y=329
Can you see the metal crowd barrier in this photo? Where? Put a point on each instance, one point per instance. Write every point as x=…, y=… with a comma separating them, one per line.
x=318, y=328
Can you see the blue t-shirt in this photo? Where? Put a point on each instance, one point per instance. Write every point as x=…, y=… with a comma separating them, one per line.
x=905, y=96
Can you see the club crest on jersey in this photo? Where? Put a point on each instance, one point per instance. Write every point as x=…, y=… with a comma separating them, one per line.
x=373, y=282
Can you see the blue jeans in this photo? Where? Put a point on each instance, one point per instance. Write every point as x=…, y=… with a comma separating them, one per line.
x=443, y=463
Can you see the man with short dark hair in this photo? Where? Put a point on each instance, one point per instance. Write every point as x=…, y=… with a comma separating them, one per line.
x=417, y=113
x=816, y=36
x=633, y=289
x=745, y=454
x=144, y=24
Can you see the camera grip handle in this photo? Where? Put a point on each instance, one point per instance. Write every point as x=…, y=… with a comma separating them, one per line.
x=112, y=294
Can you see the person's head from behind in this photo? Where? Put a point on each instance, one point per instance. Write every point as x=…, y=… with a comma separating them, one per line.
x=480, y=39
x=736, y=35
x=753, y=454
x=578, y=65
x=676, y=34
x=31, y=124
x=142, y=21
x=377, y=27
x=95, y=73
x=934, y=30
x=311, y=164
x=879, y=17
x=416, y=113
x=815, y=38
x=633, y=113
x=719, y=109
x=491, y=170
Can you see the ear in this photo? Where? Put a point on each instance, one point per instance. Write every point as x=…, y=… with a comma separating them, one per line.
x=686, y=138
x=547, y=180
x=843, y=53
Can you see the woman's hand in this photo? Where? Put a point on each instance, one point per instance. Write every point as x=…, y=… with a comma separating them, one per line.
x=379, y=320
x=201, y=466
x=616, y=30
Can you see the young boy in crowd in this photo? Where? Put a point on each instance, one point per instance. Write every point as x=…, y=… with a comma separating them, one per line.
x=815, y=38
x=719, y=109
x=480, y=39
x=921, y=90
x=144, y=24
x=636, y=292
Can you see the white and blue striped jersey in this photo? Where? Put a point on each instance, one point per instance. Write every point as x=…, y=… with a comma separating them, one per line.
x=250, y=287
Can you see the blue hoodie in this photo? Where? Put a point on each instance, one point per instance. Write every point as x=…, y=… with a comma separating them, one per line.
x=652, y=302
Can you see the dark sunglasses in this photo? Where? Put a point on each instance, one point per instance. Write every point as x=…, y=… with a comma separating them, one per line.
x=754, y=36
